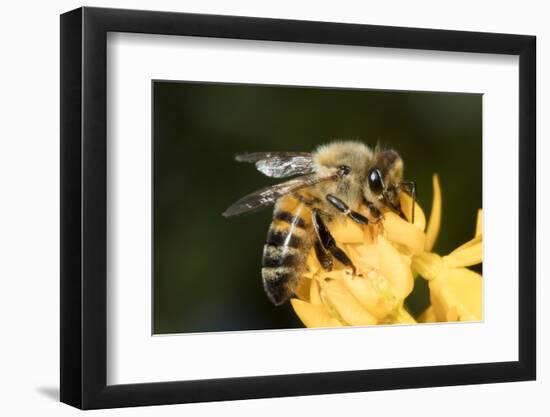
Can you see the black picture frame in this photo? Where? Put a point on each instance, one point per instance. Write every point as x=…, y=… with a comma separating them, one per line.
x=84, y=193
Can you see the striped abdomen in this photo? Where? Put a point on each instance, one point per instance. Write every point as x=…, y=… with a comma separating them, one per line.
x=287, y=245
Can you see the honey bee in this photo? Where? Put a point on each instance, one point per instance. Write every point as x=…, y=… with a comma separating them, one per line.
x=333, y=181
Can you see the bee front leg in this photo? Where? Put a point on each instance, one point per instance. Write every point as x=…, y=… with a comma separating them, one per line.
x=327, y=242
x=344, y=209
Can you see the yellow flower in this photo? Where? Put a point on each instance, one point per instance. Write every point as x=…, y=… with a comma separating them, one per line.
x=384, y=254
x=455, y=291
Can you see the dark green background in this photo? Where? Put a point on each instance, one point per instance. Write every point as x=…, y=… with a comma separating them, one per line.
x=207, y=267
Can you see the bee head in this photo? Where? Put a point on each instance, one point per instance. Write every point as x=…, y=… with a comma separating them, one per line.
x=383, y=179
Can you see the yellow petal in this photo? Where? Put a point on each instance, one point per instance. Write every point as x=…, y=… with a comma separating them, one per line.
x=302, y=291
x=479, y=223
x=465, y=256
x=337, y=273
x=456, y=295
x=313, y=315
x=478, y=235
x=428, y=316
x=314, y=296
x=347, y=306
x=347, y=231
x=435, y=216
x=429, y=265
x=404, y=317
x=469, y=243
x=399, y=316
x=312, y=265
x=394, y=267
x=406, y=202
x=401, y=232
x=364, y=257
x=373, y=292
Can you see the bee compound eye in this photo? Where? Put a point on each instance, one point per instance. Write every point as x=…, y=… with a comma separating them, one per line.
x=344, y=170
x=375, y=180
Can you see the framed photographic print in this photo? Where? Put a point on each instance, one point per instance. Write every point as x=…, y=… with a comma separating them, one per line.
x=257, y=208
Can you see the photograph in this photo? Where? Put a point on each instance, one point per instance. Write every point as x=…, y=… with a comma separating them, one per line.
x=287, y=207
x=263, y=206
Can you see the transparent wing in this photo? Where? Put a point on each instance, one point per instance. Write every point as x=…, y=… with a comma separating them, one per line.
x=267, y=196
x=280, y=164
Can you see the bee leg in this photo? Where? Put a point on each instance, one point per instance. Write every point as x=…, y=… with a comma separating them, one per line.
x=343, y=208
x=327, y=242
x=343, y=258
x=323, y=256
